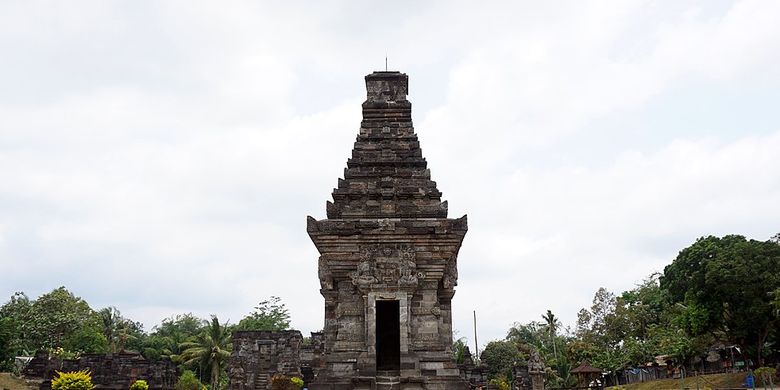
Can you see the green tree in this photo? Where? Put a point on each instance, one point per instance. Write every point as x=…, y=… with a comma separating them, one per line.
x=88, y=339
x=538, y=337
x=209, y=351
x=459, y=349
x=643, y=307
x=598, y=325
x=270, y=315
x=724, y=284
x=188, y=381
x=532, y=333
x=776, y=302
x=57, y=315
x=166, y=338
x=110, y=319
x=16, y=316
x=552, y=325
x=6, y=337
x=500, y=356
x=121, y=333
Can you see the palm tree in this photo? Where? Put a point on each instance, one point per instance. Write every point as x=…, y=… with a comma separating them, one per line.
x=552, y=325
x=210, y=349
x=459, y=350
x=110, y=318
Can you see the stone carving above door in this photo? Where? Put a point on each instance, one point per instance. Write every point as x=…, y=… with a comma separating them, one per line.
x=386, y=266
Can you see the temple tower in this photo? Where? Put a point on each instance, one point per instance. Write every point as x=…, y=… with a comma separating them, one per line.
x=388, y=258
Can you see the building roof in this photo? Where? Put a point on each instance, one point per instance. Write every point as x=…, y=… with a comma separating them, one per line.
x=586, y=368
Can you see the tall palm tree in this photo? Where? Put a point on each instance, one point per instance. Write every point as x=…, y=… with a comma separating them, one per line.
x=552, y=325
x=110, y=318
x=210, y=349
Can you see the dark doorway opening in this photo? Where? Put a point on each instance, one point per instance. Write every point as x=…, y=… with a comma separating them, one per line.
x=388, y=336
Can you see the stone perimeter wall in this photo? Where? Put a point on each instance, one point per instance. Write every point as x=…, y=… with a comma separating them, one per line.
x=258, y=355
x=109, y=371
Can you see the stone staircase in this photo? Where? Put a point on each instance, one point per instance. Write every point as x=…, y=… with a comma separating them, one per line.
x=261, y=382
x=388, y=382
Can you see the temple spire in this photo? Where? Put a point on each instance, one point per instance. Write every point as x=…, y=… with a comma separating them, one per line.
x=387, y=176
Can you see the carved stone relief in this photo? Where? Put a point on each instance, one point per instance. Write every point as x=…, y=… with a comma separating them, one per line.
x=450, y=279
x=388, y=265
x=326, y=278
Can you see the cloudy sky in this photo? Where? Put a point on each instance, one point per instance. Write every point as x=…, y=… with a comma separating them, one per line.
x=162, y=156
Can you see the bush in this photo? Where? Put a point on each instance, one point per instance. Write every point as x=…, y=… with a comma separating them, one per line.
x=765, y=375
x=298, y=382
x=188, y=381
x=60, y=353
x=139, y=385
x=283, y=382
x=77, y=380
x=500, y=383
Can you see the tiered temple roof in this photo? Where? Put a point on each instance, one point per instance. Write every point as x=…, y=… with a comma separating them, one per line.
x=387, y=176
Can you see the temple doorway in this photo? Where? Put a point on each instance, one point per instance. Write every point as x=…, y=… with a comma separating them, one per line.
x=388, y=336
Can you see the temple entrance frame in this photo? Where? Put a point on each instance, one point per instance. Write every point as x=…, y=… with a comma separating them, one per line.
x=403, y=298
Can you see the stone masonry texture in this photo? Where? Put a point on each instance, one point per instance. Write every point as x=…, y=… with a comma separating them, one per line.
x=109, y=371
x=387, y=238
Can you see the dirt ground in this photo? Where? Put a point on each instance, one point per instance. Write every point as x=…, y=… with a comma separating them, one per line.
x=715, y=381
x=10, y=382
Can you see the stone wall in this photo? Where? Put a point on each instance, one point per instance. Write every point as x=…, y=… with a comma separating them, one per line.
x=311, y=356
x=259, y=355
x=109, y=371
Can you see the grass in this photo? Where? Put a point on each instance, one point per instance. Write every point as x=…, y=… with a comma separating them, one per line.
x=10, y=382
x=714, y=381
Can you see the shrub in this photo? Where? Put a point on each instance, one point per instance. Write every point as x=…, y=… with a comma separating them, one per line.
x=500, y=383
x=60, y=353
x=77, y=380
x=139, y=385
x=188, y=381
x=765, y=375
x=298, y=382
x=283, y=382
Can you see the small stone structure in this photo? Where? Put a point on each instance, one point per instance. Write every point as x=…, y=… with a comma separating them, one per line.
x=536, y=371
x=311, y=356
x=109, y=371
x=388, y=258
x=259, y=355
x=476, y=376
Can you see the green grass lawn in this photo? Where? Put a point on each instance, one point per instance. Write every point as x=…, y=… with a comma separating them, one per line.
x=714, y=381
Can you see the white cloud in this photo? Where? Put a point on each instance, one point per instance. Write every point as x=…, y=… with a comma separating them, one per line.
x=162, y=157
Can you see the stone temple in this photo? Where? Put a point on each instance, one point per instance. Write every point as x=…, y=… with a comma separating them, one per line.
x=388, y=259
x=387, y=270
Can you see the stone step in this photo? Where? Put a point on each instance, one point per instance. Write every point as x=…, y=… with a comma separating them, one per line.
x=388, y=382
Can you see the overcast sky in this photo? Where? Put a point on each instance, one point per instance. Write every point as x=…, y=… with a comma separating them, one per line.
x=162, y=156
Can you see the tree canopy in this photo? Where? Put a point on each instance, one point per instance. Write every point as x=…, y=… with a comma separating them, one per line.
x=270, y=315
x=717, y=291
x=725, y=287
